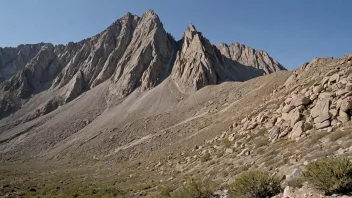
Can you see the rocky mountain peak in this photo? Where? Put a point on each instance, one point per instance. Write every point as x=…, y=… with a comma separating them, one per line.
x=133, y=53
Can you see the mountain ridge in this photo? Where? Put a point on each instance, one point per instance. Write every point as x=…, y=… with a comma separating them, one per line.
x=133, y=52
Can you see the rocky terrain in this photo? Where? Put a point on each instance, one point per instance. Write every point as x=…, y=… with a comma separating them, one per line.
x=131, y=111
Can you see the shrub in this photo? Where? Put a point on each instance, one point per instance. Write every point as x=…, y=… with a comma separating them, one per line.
x=255, y=184
x=296, y=182
x=206, y=157
x=338, y=134
x=227, y=143
x=166, y=191
x=331, y=175
x=195, y=189
x=259, y=142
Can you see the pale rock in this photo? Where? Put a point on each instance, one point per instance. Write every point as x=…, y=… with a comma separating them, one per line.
x=288, y=100
x=294, y=117
x=334, y=78
x=274, y=133
x=297, y=130
x=318, y=89
x=326, y=95
x=322, y=125
x=300, y=100
x=343, y=117
x=341, y=92
x=322, y=117
x=322, y=107
x=287, y=108
x=229, y=151
x=344, y=105
x=313, y=97
x=333, y=112
x=334, y=122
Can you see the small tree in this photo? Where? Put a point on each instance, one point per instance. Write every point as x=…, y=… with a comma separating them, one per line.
x=255, y=184
x=331, y=175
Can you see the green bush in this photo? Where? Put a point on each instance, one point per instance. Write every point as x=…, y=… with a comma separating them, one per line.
x=255, y=184
x=195, y=189
x=331, y=175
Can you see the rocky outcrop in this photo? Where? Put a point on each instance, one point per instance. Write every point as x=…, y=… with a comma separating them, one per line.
x=199, y=63
x=132, y=53
x=14, y=59
x=147, y=60
x=249, y=56
x=321, y=102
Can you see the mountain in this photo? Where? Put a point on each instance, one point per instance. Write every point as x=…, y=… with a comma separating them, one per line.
x=133, y=53
x=132, y=112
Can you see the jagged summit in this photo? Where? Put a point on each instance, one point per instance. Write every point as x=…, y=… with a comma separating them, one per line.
x=132, y=53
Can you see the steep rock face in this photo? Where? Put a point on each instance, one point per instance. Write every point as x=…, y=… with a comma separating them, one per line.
x=249, y=56
x=14, y=59
x=199, y=63
x=132, y=53
x=97, y=57
x=147, y=59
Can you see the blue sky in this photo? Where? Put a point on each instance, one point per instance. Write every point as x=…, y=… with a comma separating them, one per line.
x=291, y=31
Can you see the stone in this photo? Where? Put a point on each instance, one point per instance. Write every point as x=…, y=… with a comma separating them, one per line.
x=343, y=117
x=344, y=105
x=326, y=95
x=322, y=117
x=252, y=126
x=341, y=92
x=334, y=78
x=300, y=100
x=274, y=133
x=322, y=107
x=334, y=122
x=333, y=112
x=294, y=117
x=322, y=125
x=318, y=89
x=287, y=108
x=229, y=151
x=297, y=130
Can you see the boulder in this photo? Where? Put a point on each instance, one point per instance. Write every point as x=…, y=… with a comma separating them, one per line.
x=300, y=100
x=294, y=117
x=318, y=89
x=322, y=125
x=343, y=117
x=333, y=112
x=322, y=107
x=297, y=130
x=274, y=133
x=322, y=117
x=287, y=108
x=341, y=92
x=334, y=78
x=344, y=105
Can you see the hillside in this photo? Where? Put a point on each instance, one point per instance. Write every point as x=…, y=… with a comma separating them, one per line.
x=131, y=111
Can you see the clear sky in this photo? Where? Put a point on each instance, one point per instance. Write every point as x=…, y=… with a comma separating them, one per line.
x=291, y=31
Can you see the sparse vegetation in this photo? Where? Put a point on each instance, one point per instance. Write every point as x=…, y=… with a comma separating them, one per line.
x=255, y=184
x=331, y=175
x=227, y=143
x=261, y=141
x=195, y=189
x=206, y=157
x=338, y=134
x=316, y=137
x=296, y=182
